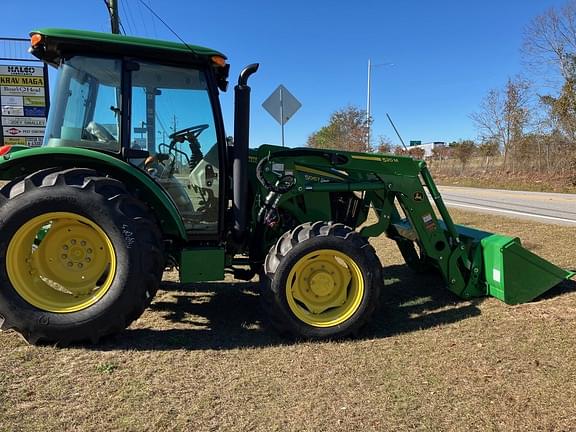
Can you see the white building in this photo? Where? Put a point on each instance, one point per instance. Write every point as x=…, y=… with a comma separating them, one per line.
x=427, y=147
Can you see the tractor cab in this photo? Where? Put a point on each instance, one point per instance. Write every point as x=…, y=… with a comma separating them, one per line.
x=152, y=104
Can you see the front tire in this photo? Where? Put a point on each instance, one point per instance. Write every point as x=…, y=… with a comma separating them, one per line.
x=81, y=258
x=323, y=281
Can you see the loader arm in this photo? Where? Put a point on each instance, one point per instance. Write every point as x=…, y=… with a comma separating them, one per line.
x=409, y=209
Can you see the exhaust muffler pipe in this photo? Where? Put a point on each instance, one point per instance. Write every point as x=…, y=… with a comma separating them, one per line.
x=241, y=143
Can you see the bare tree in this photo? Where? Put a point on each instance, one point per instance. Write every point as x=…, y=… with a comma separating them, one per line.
x=416, y=152
x=516, y=114
x=550, y=44
x=463, y=151
x=504, y=116
x=440, y=153
x=489, y=120
x=384, y=144
x=550, y=40
x=562, y=109
x=488, y=149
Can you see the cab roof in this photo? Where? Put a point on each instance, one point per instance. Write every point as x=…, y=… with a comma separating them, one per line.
x=59, y=43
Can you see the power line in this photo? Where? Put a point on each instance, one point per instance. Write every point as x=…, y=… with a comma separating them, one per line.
x=143, y=20
x=131, y=19
x=167, y=26
x=128, y=23
x=153, y=22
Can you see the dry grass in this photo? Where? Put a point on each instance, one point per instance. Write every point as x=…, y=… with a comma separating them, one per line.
x=199, y=360
x=449, y=173
x=508, y=182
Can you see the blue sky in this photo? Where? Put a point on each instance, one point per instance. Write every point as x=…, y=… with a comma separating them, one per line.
x=446, y=54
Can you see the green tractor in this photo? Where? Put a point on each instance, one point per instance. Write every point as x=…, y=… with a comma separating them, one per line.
x=136, y=174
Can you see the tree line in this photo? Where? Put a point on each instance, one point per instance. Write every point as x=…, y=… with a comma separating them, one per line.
x=526, y=125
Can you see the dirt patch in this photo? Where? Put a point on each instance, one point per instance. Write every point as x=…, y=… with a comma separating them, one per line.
x=201, y=360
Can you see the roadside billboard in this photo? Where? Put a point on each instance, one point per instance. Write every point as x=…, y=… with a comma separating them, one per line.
x=24, y=101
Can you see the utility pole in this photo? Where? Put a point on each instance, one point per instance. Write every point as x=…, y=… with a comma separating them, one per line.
x=368, y=97
x=114, y=16
x=368, y=119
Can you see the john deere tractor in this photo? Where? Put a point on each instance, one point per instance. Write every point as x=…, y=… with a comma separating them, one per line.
x=136, y=174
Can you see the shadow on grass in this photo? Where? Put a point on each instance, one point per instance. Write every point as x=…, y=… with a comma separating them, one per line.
x=227, y=315
x=562, y=288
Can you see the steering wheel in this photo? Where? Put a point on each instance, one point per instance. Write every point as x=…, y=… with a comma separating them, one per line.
x=168, y=160
x=189, y=134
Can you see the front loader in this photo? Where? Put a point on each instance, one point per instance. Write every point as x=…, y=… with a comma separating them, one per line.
x=136, y=174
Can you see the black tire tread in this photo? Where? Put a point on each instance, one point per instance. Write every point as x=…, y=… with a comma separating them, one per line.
x=284, y=246
x=146, y=230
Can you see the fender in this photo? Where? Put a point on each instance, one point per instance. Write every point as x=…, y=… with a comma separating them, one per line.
x=20, y=162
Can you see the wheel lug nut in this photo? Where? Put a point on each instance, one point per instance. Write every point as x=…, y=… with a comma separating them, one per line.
x=80, y=265
x=73, y=241
x=64, y=256
x=70, y=264
x=89, y=250
x=82, y=243
x=65, y=247
x=87, y=260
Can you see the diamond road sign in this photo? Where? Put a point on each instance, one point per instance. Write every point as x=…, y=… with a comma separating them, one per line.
x=281, y=105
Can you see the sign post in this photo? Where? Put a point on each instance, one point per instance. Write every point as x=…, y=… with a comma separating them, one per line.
x=281, y=105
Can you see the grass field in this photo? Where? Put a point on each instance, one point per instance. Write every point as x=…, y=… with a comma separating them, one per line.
x=200, y=360
x=449, y=173
x=501, y=181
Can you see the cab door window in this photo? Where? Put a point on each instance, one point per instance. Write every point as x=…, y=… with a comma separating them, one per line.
x=172, y=119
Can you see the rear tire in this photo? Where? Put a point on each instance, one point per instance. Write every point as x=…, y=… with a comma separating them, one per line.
x=323, y=281
x=80, y=257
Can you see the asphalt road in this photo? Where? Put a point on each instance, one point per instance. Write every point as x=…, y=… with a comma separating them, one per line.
x=542, y=206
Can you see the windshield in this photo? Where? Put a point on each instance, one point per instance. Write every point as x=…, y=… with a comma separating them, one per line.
x=86, y=112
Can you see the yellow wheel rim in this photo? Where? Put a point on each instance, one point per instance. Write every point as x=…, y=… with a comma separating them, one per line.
x=61, y=262
x=325, y=288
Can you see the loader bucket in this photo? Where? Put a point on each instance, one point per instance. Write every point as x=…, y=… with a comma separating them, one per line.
x=514, y=274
